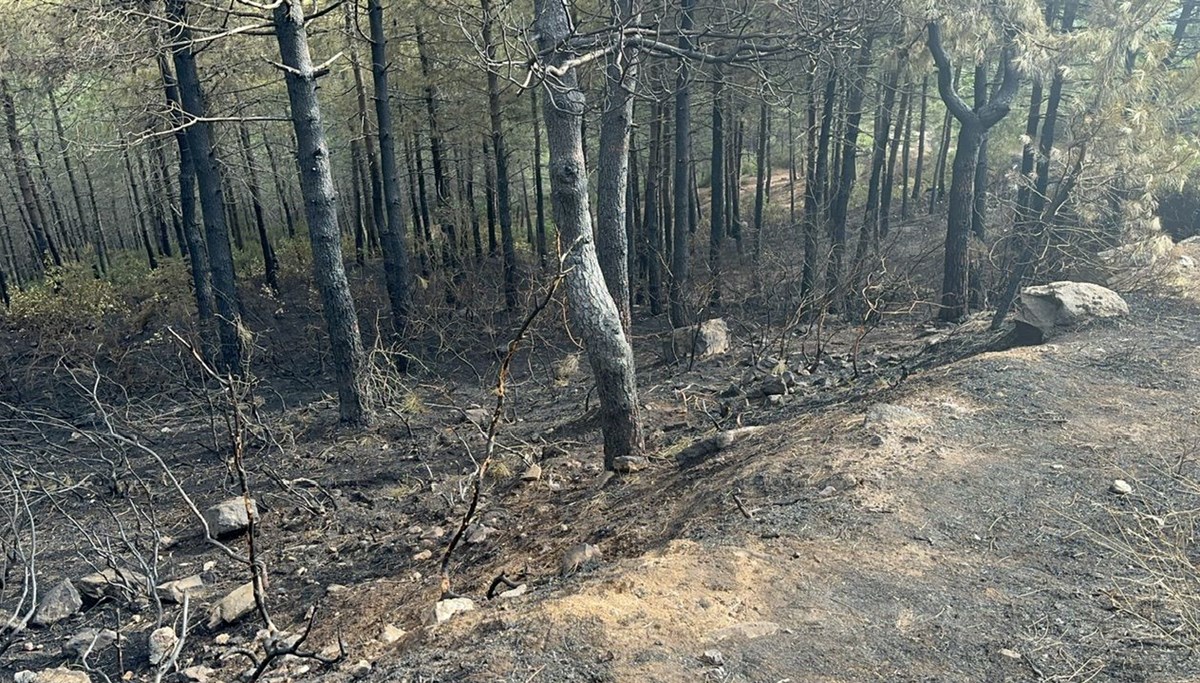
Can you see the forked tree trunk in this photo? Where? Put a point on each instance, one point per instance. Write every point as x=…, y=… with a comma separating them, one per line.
x=974, y=126
x=594, y=314
x=316, y=179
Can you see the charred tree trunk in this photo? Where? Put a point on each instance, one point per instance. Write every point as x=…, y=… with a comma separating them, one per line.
x=616, y=119
x=841, y=201
x=681, y=209
x=441, y=180
x=392, y=232
x=489, y=190
x=717, y=172
x=974, y=126
x=270, y=262
x=817, y=184
x=316, y=179
x=763, y=180
x=197, y=250
x=652, y=227
x=33, y=211
x=97, y=242
x=500, y=152
x=538, y=188
x=593, y=312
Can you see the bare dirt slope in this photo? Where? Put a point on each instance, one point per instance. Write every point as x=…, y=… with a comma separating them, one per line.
x=945, y=516
x=958, y=528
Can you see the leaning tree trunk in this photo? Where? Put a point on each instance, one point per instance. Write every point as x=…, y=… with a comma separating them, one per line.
x=392, y=233
x=208, y=177
x=316, y=180
x=974, y=125
x=620, y=74
x=593, y=312
x=500, y=154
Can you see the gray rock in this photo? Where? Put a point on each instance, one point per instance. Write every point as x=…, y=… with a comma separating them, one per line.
x=59, y=675
x=1045, y=311
x=444, y=610
x=580, y=557
x=713, y=657
x=517, y=592
x=710, y=338
x=59, y=603
x=112, y=584
x=230, y=517
x=360, y=669
x=162, y=643
x=198, y=674
x=391, y=634
x=88, y=642
x=774, y=386
x=1121, y=487
x=233, y=606
x=532, y=473
x=174, y=591
x=480, y=417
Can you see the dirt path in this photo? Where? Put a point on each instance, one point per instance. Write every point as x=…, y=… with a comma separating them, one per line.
x=951, y=534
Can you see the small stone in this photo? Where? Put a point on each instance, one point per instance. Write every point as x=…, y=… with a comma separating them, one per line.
x=230, y=517
x=1120, y=487
x=25, y=677
x=115, y=584
x=478, y=534
x=713, y=658
x=59, y=675
x=88, y=642
x=360, y=668
x=198, y=674
x=423, y=555
x=445, y=609
x=627, y=464
x=415, y=530
x=434, y=532
x=391, y=634
x=773, y=386
x=223, y=639
x=61, y=602
x=174, y=591
x=517, y=592
x=580, y=557
x=1011, y=654
x=335, y=588
x=162, y=643
x=237, y=604
x=480, y=417
x=532, y=473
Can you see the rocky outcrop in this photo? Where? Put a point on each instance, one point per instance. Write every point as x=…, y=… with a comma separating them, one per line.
x=1045, y=311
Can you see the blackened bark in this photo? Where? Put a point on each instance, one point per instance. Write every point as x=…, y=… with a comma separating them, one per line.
x=848, y=173
x=974, y=126
x=316, y=179
x=652, y=227
x=441, y=180
x=593, y=312
x=489, y=190
x=920, y=167
x=33, y=210
x=762, y=179
x=97, y=241
x=816, y=187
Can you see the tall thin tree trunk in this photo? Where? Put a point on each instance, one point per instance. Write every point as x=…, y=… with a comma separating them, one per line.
x=920, y=167
x=33, y=212
x=489, y=191
x=316, y=179
x=392, y=233
x=500, y=153
x=270, y=262
x=441, y=181
x=212, y=201
x=762, y=180
x=717, y=173
x=97, y=243
x=680, y=257
x=889, y=176
x=652, y=227
x=841, y=202
x=593, y=312
x=538, y=189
